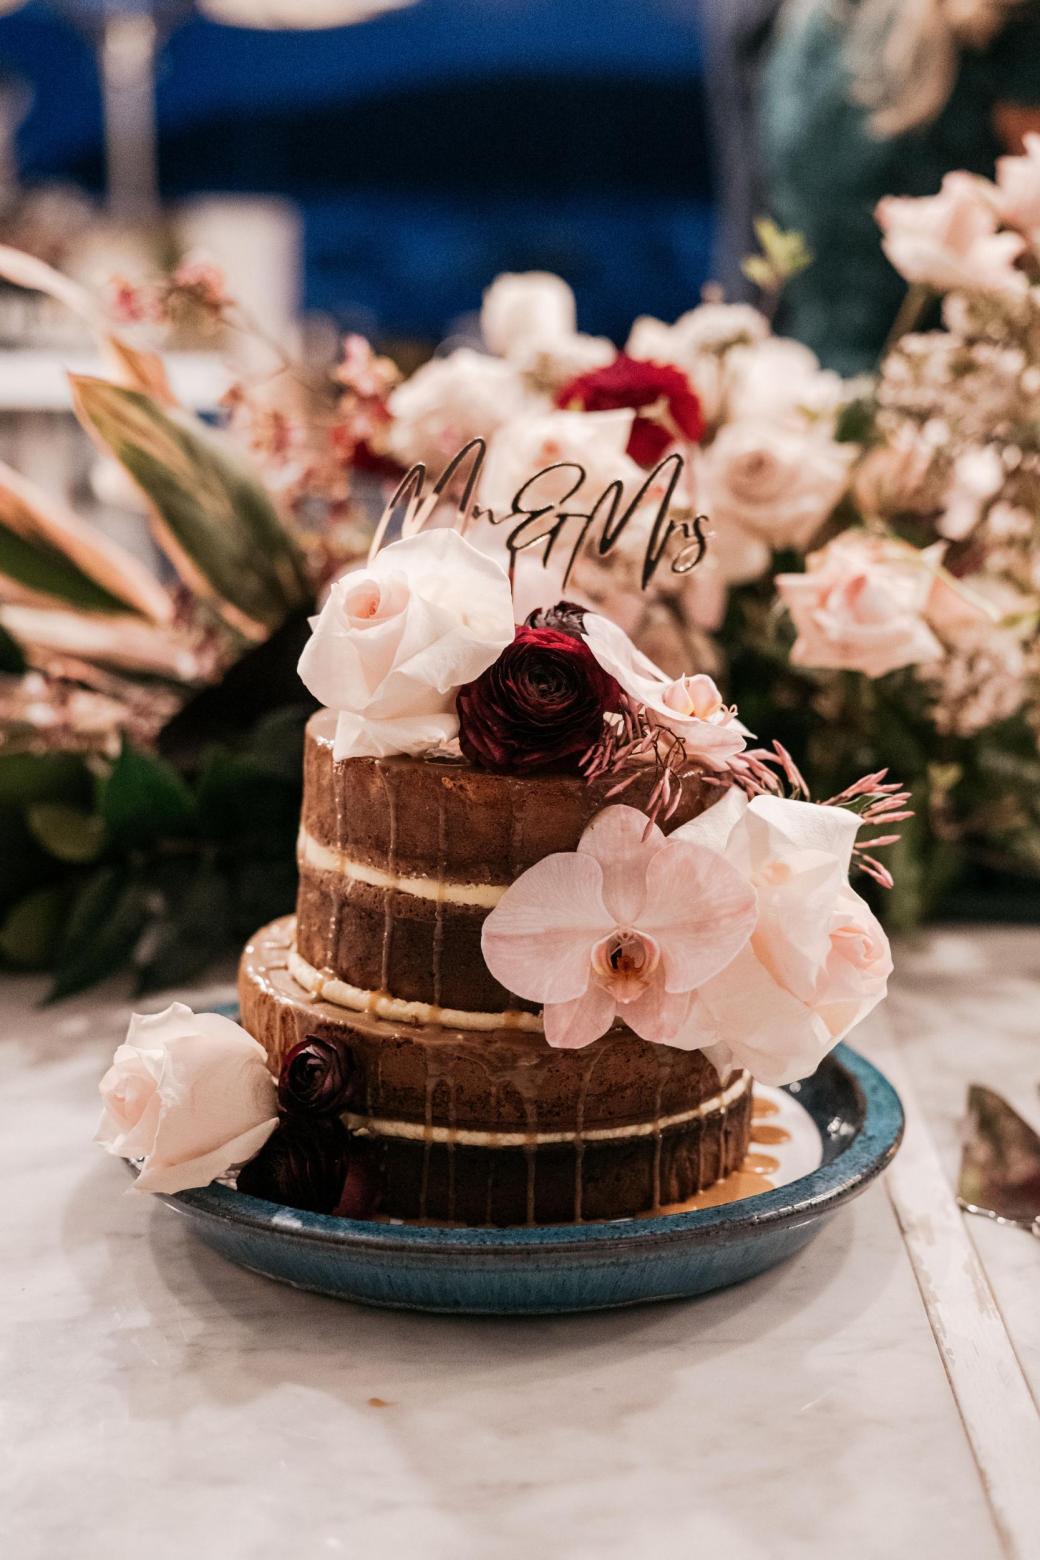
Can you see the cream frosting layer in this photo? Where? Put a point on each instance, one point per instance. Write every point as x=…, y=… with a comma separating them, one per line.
x=329, y=988
x=312, y=853
x=373, y=1126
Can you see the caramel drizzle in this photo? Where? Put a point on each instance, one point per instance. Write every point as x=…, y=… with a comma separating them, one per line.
x=391, y=866
x=438, y=914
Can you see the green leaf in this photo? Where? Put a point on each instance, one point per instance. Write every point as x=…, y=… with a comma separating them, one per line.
x=214, y=517
x=855, y=424
x=12, y=661
x=194, y=929
x=30, y=931
x=43, y=777
x=107, y=919
x=143, y=798
x=67, y=833
x=41, y=568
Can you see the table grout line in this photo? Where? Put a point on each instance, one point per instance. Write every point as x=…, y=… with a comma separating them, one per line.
x=994, y=1400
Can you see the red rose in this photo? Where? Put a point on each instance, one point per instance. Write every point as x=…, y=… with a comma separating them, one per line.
x=629, y=382
x=541, y=703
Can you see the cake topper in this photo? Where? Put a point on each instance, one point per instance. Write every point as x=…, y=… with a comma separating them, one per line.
x=533, y=518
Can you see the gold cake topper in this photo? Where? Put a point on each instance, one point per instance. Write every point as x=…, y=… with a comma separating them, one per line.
x=533, y=520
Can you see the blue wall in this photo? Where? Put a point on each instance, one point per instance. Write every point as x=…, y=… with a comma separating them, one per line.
x=428, y=148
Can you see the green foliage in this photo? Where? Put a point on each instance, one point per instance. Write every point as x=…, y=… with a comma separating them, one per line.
x=783, y=255
x=67, y=833
x=31, y=929
x=143, y=798
x=12, y=661
x=213, y=515
x=39, y=567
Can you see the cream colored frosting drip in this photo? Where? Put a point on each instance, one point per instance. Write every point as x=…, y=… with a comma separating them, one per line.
x=325, y=858
x=373, y=1126
x=329, y=988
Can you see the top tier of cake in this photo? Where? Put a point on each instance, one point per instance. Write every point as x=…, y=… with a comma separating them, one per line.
x=402, y=859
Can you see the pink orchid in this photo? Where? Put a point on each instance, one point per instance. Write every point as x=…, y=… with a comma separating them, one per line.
x=630, y=923
x=690, y=707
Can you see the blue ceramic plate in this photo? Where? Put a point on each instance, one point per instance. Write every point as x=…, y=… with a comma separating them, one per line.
x=570, y=1267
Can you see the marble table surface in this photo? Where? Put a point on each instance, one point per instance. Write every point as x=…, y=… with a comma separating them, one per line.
x=159, y=1403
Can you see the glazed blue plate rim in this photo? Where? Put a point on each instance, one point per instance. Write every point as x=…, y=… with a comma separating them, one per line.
x=856, y=1164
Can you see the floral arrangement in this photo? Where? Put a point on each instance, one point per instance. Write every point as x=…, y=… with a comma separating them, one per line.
x=738, y=934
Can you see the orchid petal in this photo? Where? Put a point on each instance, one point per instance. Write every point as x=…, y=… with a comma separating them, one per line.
x=537, y=941
x=700, y=910
x=571, y=1025
x=615, y=839
x=658, y=1015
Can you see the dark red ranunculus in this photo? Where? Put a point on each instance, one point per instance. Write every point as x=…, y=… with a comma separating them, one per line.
x=630, y=382
x=303, y=1164
x=359, y=1198
x=317, y=1078
x=541, y=703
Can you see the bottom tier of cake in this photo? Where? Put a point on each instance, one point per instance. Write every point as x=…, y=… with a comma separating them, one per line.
x=496, y=1127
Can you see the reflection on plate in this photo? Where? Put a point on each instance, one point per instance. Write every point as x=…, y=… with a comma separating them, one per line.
x=841, y=1127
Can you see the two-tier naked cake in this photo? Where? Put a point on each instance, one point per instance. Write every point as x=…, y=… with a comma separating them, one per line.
x=554, y=917
x=469, y=1114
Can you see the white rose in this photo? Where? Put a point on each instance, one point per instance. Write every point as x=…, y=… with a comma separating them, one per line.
x=596, y=441
x=526, y=309
x=818, y=960
x=698, y=343
x=950, y=240
x=190, y=1094
x=778, y=482
x=396, y=640
x=449, y=401
x=780, y=379
x=862, y=605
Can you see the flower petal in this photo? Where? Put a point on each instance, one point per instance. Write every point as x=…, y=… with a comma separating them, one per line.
x=159, y=1177
x=571, y=1025
x=537, y=942
x=805, y=825
x=614, y=838
x=700, y=909
x=714, y=827
x=776, y=1037
x=658, y=1015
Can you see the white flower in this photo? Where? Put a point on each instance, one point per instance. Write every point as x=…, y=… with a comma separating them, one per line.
x=977, y=477
x=862, y=605
x=596, y=441
x=1018, y=190
x=950, y=240
x=526, y=309
x=395, y=641
x=774, y=480
x=449, y=401
x=818, y=961
x=698, y=343
x=190, y=1095
x=690, y=707
x=779, y=379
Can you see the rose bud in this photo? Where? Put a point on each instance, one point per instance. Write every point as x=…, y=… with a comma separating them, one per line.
x=318, y=1077
x=663, y=391
x=566, y=617
x=303, y=1165
x=541, y=703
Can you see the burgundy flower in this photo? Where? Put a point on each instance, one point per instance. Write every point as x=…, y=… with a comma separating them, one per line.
x=317, y=1078
x=303, y=1164
x=629, y=382
x=359, y=1198
x=542, y=702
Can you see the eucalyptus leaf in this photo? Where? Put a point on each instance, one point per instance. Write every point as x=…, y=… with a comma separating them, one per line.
x=107, y=919
x=30, y=931
x=144, y=799
x=67, y=833
x=213, y=515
